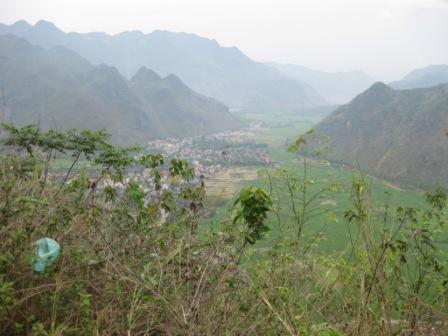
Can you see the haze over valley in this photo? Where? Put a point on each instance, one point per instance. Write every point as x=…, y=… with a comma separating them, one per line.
x=224, y=168
x=222, y=73
x=163, y=84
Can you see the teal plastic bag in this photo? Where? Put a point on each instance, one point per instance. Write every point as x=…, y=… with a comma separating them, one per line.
x=47, y=251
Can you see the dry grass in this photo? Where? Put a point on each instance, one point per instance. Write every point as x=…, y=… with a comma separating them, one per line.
x=225, y=183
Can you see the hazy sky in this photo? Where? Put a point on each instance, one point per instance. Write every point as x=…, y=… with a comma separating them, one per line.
x=386, y=38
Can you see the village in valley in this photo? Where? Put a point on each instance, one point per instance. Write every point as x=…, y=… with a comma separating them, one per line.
x=208, y=154
x=222, y=160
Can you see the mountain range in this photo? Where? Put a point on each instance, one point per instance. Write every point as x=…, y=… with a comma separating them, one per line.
x=58, y=88
x=397, y=135
x=336, y=88
x=223, y=73
x=424, y=77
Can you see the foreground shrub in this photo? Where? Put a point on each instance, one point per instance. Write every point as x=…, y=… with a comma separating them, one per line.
x=137, y=259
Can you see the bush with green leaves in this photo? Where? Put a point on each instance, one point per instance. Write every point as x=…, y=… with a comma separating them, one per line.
x=131, y=260
x=135, y=260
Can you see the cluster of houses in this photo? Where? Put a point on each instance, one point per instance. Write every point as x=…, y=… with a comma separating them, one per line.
x=207, y=154
x=211, y=153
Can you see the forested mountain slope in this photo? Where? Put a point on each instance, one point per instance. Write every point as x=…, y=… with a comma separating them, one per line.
x=397, y=135
x=58, y=88
x=219, y=72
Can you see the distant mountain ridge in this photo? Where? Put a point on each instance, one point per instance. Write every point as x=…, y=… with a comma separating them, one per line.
x=336, y=88
x=424, y=77
x=400, y=136
x=58, y=88
x=224, y=73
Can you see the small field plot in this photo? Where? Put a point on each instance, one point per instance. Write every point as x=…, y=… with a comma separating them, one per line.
x=226, y=182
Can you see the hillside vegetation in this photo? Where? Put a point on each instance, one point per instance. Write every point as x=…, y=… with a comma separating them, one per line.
x=400, y=136
x=57, y=88
x=135, y=262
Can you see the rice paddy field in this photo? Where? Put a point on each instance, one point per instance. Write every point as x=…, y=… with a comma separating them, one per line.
x=226, y=182
x=333, y=229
